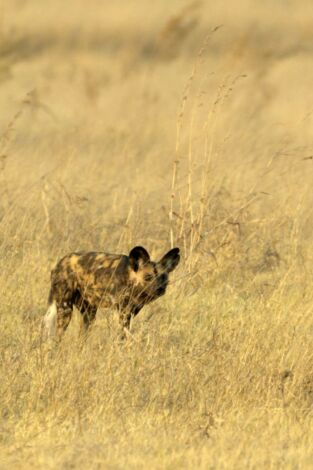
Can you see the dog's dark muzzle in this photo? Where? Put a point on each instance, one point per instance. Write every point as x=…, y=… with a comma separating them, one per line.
x=161, y=291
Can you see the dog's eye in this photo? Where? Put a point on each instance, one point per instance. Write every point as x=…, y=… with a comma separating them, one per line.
x=148, y=277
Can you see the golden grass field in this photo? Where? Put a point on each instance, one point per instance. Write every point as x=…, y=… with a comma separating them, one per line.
x=162, y=124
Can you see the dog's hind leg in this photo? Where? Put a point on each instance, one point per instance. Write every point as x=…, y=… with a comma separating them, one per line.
x=64, y=315
x=88, y=313
x=57, y=319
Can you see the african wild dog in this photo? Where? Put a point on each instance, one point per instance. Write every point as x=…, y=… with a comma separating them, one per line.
x=95, y=279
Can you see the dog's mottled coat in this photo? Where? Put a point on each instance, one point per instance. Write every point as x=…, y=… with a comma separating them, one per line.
x=95, y=279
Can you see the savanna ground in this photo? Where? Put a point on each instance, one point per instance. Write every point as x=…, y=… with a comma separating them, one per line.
x=159, y=123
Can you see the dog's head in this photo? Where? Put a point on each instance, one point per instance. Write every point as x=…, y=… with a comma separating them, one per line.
x=149, y=279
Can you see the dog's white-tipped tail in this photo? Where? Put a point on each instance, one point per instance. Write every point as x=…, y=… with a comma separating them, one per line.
x=50, y=321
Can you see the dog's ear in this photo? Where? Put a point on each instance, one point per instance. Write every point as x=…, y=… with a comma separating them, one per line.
x=169, y=261
x=138, y=256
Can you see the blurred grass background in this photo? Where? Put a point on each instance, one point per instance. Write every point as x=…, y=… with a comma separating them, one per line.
x=159, y=123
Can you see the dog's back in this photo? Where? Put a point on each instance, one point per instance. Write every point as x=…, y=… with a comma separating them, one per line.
x=94, y=276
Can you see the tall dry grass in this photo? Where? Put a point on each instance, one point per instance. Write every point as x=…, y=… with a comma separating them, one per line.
x=159, y=124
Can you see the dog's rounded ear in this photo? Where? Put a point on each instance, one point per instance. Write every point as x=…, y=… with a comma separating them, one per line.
x=137, y=256
x=170, y=260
